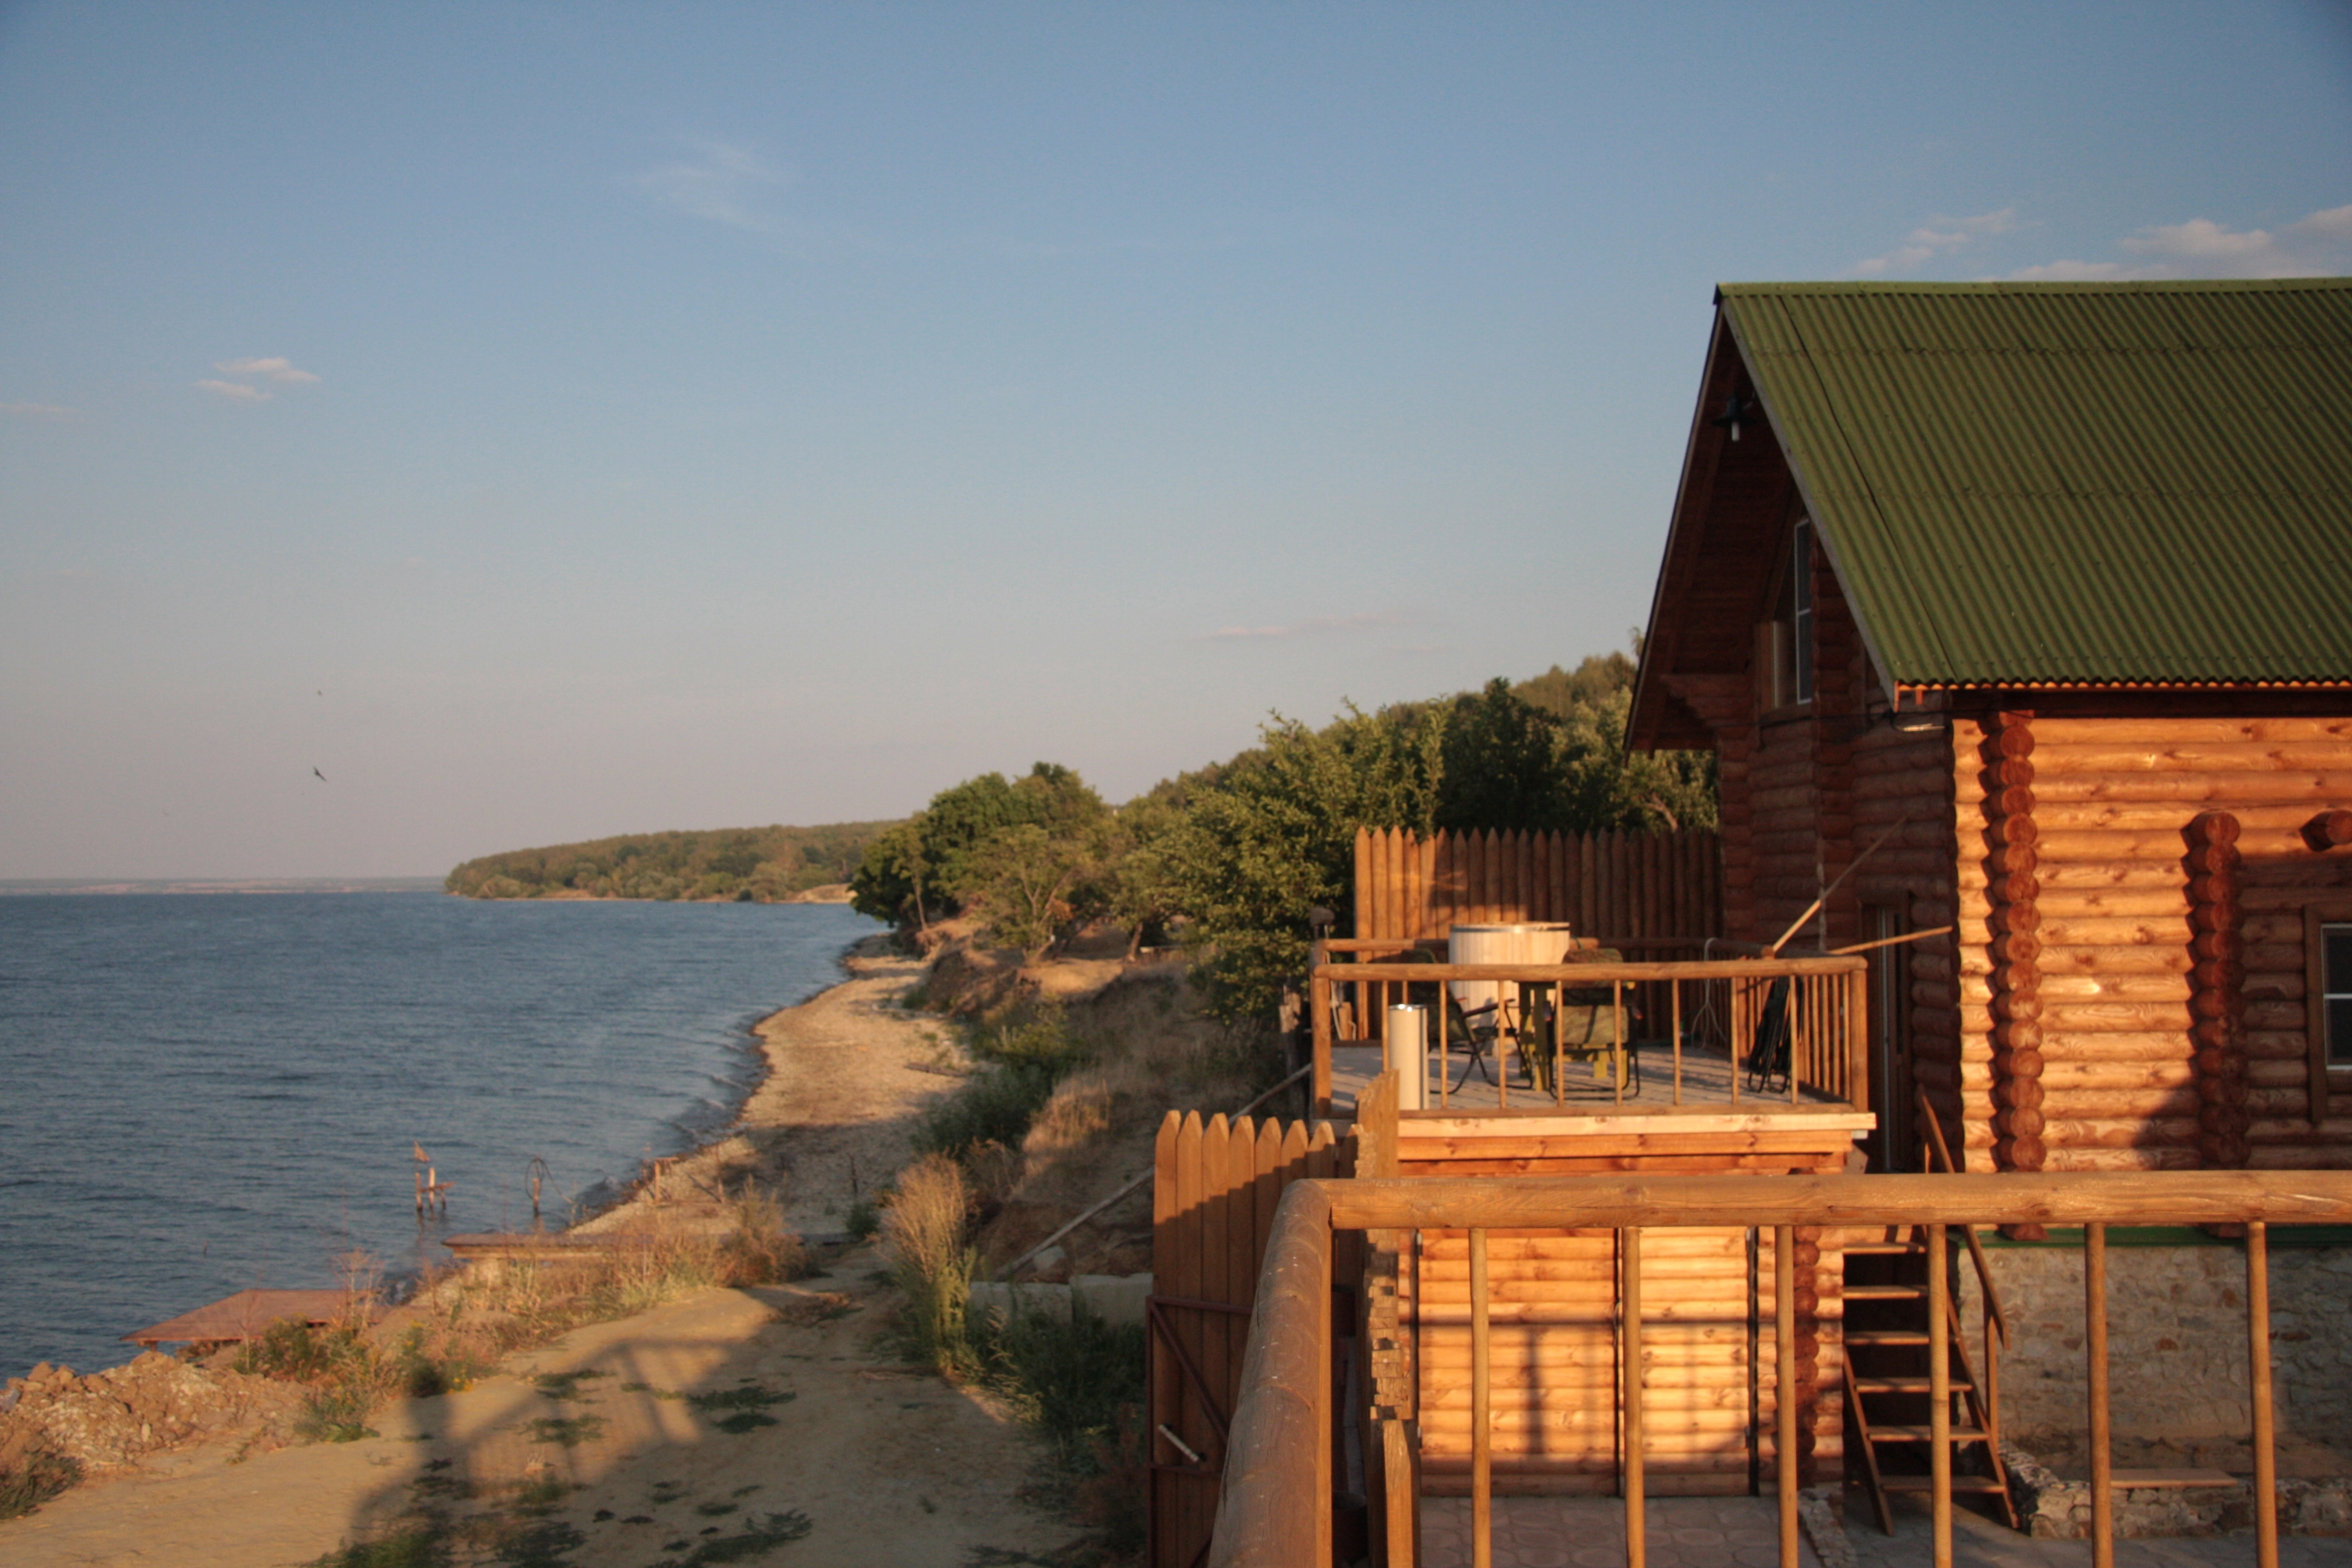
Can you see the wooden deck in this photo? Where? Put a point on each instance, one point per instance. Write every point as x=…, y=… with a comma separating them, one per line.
x=1706, y=1088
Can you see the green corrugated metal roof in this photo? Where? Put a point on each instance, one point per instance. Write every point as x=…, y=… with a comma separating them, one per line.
x=2061, y=483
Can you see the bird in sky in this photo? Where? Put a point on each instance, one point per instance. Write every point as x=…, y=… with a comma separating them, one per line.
x=319, y=776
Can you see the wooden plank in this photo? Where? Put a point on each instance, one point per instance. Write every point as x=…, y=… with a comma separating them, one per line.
x=1165, y=1527
x=1413, y=1127
x=1193, y=1510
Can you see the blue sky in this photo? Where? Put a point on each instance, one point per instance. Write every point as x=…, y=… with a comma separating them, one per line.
x=550, y=421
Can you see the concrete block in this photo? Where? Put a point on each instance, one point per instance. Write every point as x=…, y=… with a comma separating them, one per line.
x=995, y=1302
x=1116, y=1299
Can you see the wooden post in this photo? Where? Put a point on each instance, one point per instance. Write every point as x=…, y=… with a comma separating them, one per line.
x=1939, y=1391
x=1676, y=987
x=1619, y=1066
x=2258, y=1365
x=2095, y=1350
x=1636, y=1516
x=1784, y=1383
x=1319, y=1003
x=1482, y=1413
x=1857, y=1040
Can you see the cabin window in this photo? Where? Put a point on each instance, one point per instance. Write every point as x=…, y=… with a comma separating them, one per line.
x=2328, y=1000
x=2335, y=990
x=1784, y=645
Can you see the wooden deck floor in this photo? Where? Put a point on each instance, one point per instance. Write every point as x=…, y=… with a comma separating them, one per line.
x=1705, y=1086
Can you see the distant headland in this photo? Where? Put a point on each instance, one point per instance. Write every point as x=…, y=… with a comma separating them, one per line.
x=773, y=865
x=21, y=886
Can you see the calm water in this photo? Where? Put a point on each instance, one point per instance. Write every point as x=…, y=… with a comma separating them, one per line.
x=203, y=1094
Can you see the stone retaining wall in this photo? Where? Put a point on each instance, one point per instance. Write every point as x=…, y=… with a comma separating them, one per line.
x=2175, y=1342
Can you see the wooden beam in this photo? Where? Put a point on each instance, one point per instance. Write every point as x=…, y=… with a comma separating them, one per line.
x=2130, y=1197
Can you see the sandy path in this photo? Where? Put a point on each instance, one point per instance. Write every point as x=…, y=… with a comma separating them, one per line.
x=890, y=1466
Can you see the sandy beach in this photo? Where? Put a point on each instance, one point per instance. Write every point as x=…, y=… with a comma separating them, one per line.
x=769, y=1412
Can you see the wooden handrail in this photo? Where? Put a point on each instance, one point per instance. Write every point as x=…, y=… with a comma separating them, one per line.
x=2068, y=1198
x=1275, y=1510
x=1588, y=973
x=1278, y=1455
x=1943, y=1154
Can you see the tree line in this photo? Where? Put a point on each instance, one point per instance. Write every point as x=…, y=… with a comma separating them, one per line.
x=1230, y=859
x=752, y=865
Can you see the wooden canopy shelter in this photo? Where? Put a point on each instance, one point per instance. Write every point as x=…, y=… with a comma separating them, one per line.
x=233, y=1320
x=2031, y=607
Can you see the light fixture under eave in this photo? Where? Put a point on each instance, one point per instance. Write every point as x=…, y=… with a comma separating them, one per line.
x=1735, y=409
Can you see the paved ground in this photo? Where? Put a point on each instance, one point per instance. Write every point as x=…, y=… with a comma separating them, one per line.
x=1742, y=1532
x=1590, y=1533
x=1980, y=1542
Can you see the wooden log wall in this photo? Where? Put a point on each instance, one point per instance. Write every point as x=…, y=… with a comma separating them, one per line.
x=1214, y=1187
x=1902, y=790
x=2114, y=802
x=2217, y=998
x=1611, y=885
x=2012, y=918
x=1554, y=1301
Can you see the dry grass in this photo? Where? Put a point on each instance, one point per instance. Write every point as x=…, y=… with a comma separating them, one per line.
x=462, y=1323
x=928, y=1227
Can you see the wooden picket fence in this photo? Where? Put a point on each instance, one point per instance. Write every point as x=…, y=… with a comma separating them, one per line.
x=1631, y=890
x=1214, y=1188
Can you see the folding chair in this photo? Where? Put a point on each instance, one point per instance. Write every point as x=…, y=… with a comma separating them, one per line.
x=1768, y=1057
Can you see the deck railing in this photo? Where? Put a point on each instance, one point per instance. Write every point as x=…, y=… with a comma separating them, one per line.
x=1820, y=1003
x=1277, y=1503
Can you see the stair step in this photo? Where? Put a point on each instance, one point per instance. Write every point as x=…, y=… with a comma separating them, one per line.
x=1923, y=1435
x=1928, y=1483
x=1886, y=1292
x=1906, y=1386
x=1856, y=1338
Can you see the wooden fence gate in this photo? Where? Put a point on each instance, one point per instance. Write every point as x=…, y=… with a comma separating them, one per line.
x=1214, y=1189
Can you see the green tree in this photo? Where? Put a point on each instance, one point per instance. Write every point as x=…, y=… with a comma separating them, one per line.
x=935, y=866
x=1502, y=765
x=1275, y=837
x=1026, y=877
x=890, y=882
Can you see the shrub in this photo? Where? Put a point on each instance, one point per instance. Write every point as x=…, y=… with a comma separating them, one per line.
x=1021, y=1060
x=34, y=1478
x=1079, y=1386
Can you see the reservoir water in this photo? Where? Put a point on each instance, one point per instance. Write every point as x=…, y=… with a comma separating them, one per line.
x=200, y=1094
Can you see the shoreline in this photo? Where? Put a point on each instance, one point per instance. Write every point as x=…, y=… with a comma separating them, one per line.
x=764, y=1038
x=843, y=1076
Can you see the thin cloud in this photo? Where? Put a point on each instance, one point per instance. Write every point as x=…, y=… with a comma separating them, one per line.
x=234, y=391
x=1315, y=626
x=1935, y=237
x=725, y=184
x=39, y=411
x=733, y=186
x=276, y=369
x=2319, y=245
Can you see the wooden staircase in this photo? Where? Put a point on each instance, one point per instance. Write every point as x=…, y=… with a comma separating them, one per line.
x=1888, y=1377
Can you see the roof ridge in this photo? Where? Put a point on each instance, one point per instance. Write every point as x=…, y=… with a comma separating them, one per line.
x=2019, y=285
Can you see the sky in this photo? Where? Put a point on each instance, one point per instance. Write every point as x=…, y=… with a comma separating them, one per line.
x=434, y=429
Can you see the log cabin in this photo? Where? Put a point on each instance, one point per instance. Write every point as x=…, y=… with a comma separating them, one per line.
x=2022, y=613
x=2019, y=618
